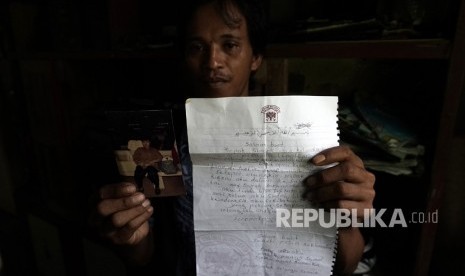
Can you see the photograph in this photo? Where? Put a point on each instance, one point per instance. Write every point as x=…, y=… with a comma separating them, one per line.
x=145, y=151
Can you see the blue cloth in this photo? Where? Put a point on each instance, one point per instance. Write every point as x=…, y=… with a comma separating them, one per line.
x=185, y=216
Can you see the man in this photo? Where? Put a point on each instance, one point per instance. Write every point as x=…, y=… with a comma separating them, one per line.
x=224, y=43
x=147, y=161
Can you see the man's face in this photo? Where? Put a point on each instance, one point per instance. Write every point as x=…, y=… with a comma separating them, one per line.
x=219, y=57
x=146, y=144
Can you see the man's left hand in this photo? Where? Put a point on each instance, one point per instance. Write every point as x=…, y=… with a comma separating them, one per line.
x=346, y=185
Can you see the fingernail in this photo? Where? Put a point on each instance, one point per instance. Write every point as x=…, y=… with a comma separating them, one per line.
x=130, y=188
x=139, y=198
x=318, y=159
x=150, y=209
x=146, y=203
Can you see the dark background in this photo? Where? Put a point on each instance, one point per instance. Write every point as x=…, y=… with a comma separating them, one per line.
x=64, y=63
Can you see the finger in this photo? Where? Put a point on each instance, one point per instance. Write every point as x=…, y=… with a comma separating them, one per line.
x=126, y=234
x=341, y=191
x=360, y=207
x=110, y=206
x=117, y=190
x=128, y=231
x=336, y=154
x=345, y=171
x=122, y=218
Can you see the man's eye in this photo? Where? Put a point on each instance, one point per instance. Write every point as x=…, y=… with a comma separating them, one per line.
x=194, y=48
x=231, y=45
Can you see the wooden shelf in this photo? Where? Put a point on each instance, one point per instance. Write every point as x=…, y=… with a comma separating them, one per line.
x=166, y=53
x=375, y=49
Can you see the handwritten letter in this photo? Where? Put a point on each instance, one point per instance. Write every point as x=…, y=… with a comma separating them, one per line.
x=250, y=156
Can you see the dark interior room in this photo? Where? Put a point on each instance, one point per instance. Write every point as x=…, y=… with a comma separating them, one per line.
x=397, y=68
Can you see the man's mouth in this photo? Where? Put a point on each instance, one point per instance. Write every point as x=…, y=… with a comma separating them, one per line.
x=216, y=81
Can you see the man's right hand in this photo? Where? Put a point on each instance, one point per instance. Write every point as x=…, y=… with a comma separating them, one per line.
x=122, y=214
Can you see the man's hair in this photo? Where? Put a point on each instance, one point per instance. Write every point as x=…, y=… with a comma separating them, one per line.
x=252, y=10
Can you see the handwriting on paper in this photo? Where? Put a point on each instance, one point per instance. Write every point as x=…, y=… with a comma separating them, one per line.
x=253, y=252
x=298, y=129
x=250, y=156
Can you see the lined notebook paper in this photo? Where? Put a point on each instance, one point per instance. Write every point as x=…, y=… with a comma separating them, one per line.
x=250, y=156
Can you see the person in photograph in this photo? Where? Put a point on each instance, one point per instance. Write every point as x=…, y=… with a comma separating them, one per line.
x=147, y=161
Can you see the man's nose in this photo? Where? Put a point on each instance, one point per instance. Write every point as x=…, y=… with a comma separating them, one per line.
x=214, y=58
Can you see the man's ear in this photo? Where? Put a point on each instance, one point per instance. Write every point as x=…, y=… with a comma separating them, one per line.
x=256, y=62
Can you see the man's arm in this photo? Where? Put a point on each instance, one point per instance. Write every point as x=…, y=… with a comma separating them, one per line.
x=350, y=250
x=348, y=186
x=137, y=156
x=156, y=158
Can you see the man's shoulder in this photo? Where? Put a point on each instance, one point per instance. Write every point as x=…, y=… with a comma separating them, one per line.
x=155, y=150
